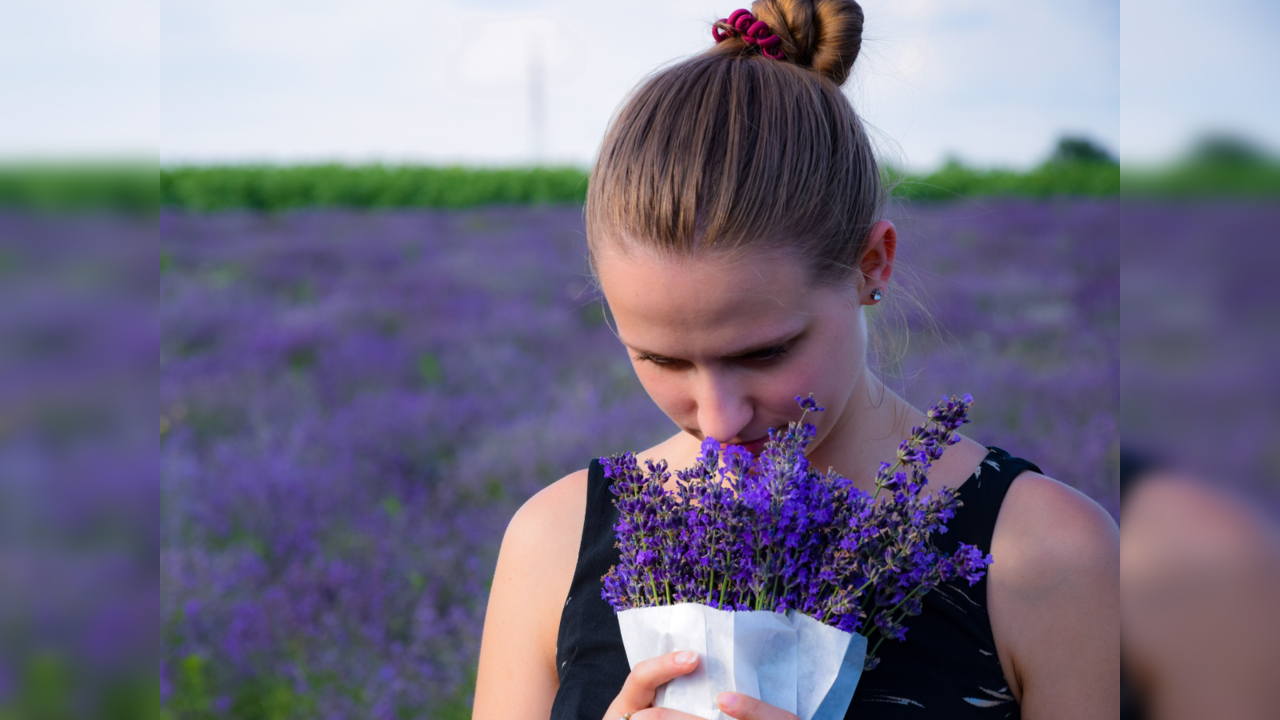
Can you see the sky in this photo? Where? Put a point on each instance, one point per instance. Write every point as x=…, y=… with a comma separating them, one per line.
x=1192, y=67
x=990, y=82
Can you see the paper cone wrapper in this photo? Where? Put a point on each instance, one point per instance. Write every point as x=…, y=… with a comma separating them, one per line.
x=790, y=661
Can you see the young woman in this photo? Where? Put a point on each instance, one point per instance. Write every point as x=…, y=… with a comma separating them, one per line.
x=734, y=225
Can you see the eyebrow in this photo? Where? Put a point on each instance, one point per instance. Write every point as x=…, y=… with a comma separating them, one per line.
x=758, y=347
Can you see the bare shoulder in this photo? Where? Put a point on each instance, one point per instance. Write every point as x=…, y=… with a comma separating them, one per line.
x=1173, y=522
x=1053, y=593
x=544, y=524
x=540, y=549
x=1202, y=568
x=1045, y=521
x=517, y=672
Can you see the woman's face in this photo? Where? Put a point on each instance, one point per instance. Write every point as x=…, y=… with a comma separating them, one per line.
x=724, y=345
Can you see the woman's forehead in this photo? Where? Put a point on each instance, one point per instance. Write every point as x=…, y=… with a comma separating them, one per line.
x=705, y=282
x=768, y=267
x=708, y=301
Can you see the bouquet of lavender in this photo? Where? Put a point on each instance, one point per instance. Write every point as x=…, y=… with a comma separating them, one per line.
x=776, y=574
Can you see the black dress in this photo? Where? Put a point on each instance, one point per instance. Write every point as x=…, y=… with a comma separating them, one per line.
x=946, y=668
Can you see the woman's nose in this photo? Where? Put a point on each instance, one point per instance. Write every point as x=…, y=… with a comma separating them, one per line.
x=724, y=410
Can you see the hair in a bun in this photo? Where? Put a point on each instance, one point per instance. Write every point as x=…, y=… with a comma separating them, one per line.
x=733, y=149
x=823, y=35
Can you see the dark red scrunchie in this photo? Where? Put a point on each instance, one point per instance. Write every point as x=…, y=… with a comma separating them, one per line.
x=752, y=31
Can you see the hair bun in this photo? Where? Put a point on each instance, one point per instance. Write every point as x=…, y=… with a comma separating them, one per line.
x=822, y=35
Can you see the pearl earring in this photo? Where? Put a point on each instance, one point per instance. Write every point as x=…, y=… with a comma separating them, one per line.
x=876, y=295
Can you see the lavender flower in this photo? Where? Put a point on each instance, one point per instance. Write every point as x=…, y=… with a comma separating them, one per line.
x=771, y=533
x=354, y=404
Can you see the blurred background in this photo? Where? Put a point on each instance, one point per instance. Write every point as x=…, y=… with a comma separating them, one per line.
x=377, y=332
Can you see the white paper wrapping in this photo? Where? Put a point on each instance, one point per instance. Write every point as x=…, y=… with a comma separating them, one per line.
x=791, y=661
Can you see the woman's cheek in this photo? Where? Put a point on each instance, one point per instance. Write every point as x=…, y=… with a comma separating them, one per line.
x=808, y=376
x=665, y=390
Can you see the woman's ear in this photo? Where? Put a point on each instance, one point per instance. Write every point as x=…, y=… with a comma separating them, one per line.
x=877, y=260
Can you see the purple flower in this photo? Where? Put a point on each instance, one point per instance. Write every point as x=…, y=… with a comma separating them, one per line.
x=771, y=533
x=809, y=403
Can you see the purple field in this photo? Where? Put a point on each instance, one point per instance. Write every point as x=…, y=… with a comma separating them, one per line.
x=354, y=404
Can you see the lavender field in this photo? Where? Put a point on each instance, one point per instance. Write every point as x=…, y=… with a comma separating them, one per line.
x=354, y=404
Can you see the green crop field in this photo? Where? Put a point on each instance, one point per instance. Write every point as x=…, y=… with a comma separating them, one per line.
x=1214, y=168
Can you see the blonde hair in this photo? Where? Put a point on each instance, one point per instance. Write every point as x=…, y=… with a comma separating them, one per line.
x=731, y=150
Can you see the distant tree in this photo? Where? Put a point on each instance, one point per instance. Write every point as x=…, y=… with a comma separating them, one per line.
x=1223, y=148
x=1080, y=149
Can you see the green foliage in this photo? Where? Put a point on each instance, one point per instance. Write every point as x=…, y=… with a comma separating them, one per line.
x=254, y=699
x=116, y=187
x=1199, y=180
x=271, y=188
x=1218, y=165
x=261, y=699
x=1080, y=149
x=50, y=687
x=191, y=698
x=267, y=188
x=133, y=699
x=955, y=181
x=429, y=369
x=458, y=707
x=1226, y=149
x=45, y=692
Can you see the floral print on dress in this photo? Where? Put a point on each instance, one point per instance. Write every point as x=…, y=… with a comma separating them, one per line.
x=948, y=667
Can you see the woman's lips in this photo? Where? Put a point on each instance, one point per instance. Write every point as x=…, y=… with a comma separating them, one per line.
x=755, y=447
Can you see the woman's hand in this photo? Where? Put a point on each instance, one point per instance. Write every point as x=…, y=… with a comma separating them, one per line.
x=642, y=685
x=745, y=707
x=636, y=697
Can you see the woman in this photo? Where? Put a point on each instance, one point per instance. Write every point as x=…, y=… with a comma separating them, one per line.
x=734, y=225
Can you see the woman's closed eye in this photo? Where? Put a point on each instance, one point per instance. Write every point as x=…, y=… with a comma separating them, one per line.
x=656, y=359
x=767, y=356
x=759, y=358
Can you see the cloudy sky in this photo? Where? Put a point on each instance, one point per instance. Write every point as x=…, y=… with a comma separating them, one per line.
x=987, y=81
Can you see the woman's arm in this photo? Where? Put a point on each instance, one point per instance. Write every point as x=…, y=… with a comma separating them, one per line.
x=1054, y=596
x=517, y=676
x=1201, y=586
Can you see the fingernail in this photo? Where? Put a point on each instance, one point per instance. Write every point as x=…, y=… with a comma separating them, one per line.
x=727, y=700
x=686, y=657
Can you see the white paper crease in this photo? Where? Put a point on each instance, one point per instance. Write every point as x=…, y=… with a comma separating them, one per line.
x=791, y=661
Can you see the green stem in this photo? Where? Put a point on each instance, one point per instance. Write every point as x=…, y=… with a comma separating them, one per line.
x=880, y=486
x=872, y=651
x=653, y=585
x=891, y=611
x=896, y=465
x=908, y=597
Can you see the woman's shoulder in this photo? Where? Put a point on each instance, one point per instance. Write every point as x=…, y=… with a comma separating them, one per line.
x=533, y=574
x=548, y=526
x=1048, y=527
x=1053, y=589
x=552, y=519
x=550, y=522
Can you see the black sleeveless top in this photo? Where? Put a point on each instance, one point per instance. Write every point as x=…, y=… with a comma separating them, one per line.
x=946, y=668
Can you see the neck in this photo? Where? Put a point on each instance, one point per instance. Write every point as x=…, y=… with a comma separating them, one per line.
x=871, y=423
